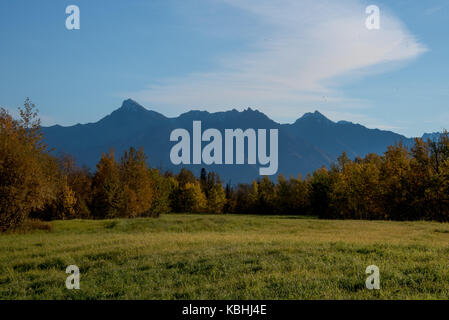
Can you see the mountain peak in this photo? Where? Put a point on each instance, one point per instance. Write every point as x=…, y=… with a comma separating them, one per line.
x=434, y=136
x=133, y=112
x=315, y=116
x=131, y=105
x=250, y=110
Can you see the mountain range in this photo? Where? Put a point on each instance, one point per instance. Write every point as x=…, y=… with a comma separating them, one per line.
x=309, y=143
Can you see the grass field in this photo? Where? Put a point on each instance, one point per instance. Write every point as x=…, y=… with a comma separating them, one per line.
x=227, y=257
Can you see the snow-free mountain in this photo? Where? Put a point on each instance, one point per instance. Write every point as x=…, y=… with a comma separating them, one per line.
x=310, y=142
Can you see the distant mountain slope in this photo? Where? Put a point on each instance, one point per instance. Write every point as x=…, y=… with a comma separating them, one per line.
x=434, y=136
x=309, y=143
x=335, y=137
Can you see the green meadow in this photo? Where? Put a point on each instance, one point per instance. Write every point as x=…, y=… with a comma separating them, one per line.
x=185, y=256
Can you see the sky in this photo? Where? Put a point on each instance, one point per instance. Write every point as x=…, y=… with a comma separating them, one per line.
x=283, y=57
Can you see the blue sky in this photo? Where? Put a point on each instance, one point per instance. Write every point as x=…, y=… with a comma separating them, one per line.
x=284, y=57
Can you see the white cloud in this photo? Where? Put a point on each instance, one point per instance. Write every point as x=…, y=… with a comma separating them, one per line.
x=308, y=44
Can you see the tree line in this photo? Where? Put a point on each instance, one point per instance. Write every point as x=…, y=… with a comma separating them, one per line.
x=402, y=184
x=34, y=184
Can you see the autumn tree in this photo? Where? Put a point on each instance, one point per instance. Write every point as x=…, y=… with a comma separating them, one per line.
x=192, y=197
x=244, y=197
x=163, y=187
x=438, y=192
x=299, y=201
x=136, y=183
x=212, y=188
x=394, y=183
x=230, y=204
x=320, y=188
x=291, y=196
x=355, y=193
x=185, y=176
x=62, y=199
x=283, y=195
x=216, y=199
x=24, y=187
x=107, y=191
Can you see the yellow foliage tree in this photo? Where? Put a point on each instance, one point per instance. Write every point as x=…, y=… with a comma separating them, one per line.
x=136, y=181
x=194, y=198
x=24, y=187
x=216, y=200
x=107, y=191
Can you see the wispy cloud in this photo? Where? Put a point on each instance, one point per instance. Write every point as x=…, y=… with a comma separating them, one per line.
x=305, y=47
